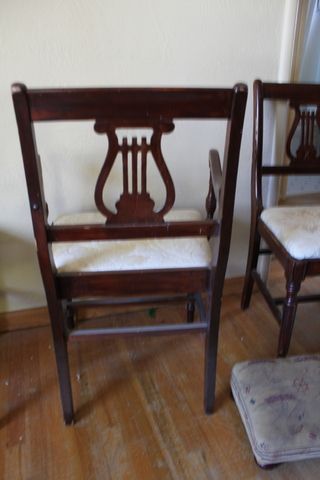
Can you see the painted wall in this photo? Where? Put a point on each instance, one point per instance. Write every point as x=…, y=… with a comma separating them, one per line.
x=108, y=43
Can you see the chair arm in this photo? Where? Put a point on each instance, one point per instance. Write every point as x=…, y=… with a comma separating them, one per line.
x=215, y=182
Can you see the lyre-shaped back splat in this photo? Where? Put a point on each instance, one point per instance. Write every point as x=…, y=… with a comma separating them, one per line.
x=309, y=121
x=135, y=206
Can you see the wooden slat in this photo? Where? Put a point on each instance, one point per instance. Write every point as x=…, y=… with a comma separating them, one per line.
x=84, y=334
x=299, y=92
x=300, y=299
x=95, y=302
x=291, y=170
x=85, y=104
x=132, y=282
x=68, y=233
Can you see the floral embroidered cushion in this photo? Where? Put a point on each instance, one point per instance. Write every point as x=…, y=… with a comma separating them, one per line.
x=135, y=254
x=279, y=402
x=297, y=228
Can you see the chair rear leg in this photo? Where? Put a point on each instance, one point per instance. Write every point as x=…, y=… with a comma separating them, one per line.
x=288, y=317
x=70, y=317
x=62, y=360
x=253, y=254
x=211, y=352
x=190, y=309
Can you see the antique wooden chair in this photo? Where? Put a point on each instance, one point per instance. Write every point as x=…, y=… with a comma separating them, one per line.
x=110, y=275
x=292, y=233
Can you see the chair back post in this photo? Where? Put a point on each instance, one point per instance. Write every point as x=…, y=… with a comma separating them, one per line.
x=33, y=174
x=229, y=181
x=38, y=206
x=30, y=156
x=257, y=146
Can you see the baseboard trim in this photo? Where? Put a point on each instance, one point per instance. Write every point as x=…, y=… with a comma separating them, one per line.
x=39, y=317
x=22, y=319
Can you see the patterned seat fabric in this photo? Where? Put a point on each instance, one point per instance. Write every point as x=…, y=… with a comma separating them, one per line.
x=296, y=228
x=158, y=253
x=278, y=401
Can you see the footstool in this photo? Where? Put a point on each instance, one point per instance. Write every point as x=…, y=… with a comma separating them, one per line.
x=279, y=404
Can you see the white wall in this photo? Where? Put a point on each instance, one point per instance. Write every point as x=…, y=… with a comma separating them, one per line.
x=121, y=42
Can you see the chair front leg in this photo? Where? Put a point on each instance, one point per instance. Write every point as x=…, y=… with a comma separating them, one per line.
x=288, y=315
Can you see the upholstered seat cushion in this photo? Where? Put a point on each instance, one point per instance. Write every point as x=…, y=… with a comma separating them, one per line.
x=296, y=228
x=134, y=254
x=279, y=402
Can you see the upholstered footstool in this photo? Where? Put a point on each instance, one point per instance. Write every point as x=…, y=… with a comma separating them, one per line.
x=279, y=403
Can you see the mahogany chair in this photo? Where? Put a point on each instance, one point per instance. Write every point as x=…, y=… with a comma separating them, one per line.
x=292, y=233
x=190, y=268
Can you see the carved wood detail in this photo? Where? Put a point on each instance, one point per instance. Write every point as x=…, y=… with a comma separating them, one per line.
x=135, y=204
x=308, y=121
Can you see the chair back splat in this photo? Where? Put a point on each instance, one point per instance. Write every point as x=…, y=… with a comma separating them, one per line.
x=165, y=254
x=291, y=232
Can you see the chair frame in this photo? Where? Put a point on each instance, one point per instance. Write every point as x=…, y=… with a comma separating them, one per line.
x=301, y=163
x=132, y=107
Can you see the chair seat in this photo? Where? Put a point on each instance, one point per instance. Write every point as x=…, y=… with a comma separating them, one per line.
x=296, y=228
x=137, y=254
x=278, y=401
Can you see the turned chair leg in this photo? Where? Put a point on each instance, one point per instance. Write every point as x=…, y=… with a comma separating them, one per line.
x=288, y=317
x=253, y=255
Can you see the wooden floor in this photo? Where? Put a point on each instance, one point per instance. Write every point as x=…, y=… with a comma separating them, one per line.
x=139, y=403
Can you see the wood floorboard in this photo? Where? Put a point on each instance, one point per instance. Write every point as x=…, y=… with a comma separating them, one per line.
x=139, y=402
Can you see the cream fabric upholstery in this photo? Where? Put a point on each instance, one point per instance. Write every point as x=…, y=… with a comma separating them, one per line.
x=155, y=253
x=278, y=401
x=297, y=228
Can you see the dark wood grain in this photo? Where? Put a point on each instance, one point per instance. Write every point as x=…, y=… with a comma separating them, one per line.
x=135, y=216
x=304, y=100
x=130, y=103
x=73, y=285
x=303, y=93
x=134, y=205
x=68, y=233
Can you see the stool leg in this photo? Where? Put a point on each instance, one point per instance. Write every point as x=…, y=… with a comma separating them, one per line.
x=270, y=466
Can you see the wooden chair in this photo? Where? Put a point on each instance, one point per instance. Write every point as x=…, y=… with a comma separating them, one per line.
x=292, y=233
x=69, y=284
